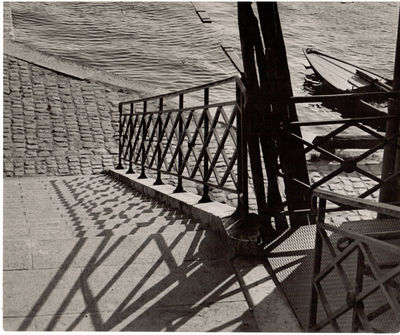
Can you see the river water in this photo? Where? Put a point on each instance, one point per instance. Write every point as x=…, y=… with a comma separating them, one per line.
x=165, y=43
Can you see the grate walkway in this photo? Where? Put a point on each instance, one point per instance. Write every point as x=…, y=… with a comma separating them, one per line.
x=292, y=260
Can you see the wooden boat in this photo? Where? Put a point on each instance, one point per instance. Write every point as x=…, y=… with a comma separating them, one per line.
x=341, y=76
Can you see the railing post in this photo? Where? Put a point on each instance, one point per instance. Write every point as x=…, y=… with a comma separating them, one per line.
x=179, y=187
x=239, y=206
x=390, y=191
x=159, y=163
x=243, y=192
x=205, y=197
x=130, y=124
x=318, y=211
x=144, y=134
x=120, y=166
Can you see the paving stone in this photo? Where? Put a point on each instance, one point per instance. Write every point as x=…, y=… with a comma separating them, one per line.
x=43, y=153
x=358, y=185
x=45, y=293
x=17, y=255
x=13, y=323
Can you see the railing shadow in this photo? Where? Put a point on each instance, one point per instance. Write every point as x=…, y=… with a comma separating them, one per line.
x=180, y=274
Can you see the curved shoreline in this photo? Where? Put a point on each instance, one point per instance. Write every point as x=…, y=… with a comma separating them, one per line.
x=74, y=69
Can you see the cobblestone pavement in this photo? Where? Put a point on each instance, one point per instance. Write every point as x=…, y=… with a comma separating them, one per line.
x=351, y=184
x=106, y=258
x=57, y=125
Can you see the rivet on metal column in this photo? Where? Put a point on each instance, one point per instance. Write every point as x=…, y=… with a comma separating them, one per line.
x=159, y=161
x=130, y=124
x=144, y=134
x=205, y=197
x=179, y=187
x=120, y=166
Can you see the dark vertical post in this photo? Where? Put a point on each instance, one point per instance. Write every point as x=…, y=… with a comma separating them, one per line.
x=279, y=86
x=244, y=173
x=391, y=155
x=319, y=213
x=159, y=163
x=240, y=206
x=257, y=121
x=358, y=288
x=179, y=187
x=268, y=128
x=130, y=124
x=144, y=134
x=205, y=197
x=120, y=166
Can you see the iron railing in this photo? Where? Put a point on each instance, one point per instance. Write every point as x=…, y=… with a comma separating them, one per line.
x=363, y=258
x=347, y=165
x=175, y=134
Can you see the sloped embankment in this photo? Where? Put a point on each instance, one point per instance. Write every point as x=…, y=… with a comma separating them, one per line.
x=55, y=124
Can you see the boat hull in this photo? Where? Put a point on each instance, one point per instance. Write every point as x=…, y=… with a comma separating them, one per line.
x=341, y=77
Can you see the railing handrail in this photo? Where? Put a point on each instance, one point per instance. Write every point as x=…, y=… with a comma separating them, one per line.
x=189, y=90
x=341, y=199
x=346, y=120
x=180, y=110
x=346, y=96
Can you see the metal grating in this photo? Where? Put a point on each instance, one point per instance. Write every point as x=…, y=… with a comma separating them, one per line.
x=292, y=261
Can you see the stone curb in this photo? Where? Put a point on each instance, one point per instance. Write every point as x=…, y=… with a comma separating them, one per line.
x=214, y=214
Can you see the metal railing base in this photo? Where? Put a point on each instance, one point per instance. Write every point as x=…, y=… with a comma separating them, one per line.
x=179, y=189
x=245, y=228
x=158, y=182
x=204, y=199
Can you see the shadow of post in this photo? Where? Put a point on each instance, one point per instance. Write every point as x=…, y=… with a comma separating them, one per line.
x=169, y=281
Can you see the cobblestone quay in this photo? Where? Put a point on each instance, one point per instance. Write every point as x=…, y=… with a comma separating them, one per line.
x=54, y=124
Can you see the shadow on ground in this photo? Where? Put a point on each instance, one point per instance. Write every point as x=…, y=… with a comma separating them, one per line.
x=131, y=264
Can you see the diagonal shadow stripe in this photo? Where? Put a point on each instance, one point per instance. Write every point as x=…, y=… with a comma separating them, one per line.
x=90, y=299
x=51, y=286
x=78, y=284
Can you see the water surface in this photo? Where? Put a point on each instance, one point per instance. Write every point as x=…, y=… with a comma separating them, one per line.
x=166, y=43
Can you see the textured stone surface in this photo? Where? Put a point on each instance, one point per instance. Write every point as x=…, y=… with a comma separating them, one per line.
x=54, y=124
x=271, y=309
x=112, y=259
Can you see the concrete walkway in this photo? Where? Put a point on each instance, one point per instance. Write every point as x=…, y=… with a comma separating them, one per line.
x=87, y=253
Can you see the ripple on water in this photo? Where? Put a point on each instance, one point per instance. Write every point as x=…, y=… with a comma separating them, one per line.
x=165, y=43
